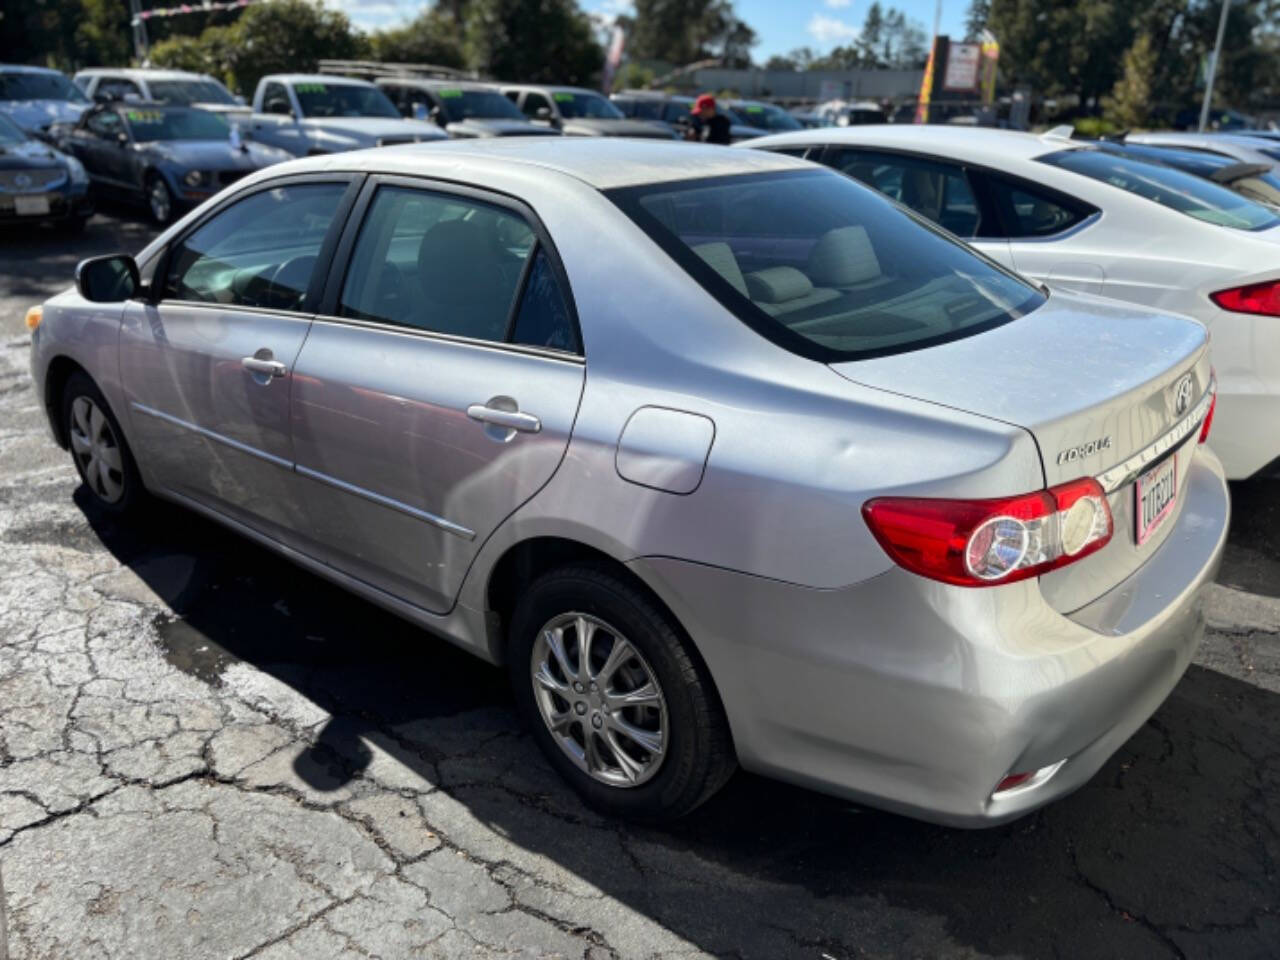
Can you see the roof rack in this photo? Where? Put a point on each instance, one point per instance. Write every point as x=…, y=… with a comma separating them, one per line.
x=369, y=69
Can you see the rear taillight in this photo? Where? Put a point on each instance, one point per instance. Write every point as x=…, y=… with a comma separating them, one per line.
x=1207, y=424
x=981, y=543
x=1263, y=298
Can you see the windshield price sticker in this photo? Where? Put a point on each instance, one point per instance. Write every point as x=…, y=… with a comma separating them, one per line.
x=562, y=97
x=450, y=94
x=309, y=87
x=145, y=116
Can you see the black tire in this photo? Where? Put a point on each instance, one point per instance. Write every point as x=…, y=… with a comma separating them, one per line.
x=698, y=757
x=131, y=500
x=155, y=182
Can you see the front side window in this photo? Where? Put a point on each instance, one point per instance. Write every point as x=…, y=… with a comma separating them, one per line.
x=1187, y=194
x=259, y=252
x=150, y=125
x=825, y=267
x=343, y=100
x=533, y=102
x=936, y=190
x=114, y=89
x=190, y=91
x=450, y=264
x=590, y=105
x=106, y=124
x=39, y=86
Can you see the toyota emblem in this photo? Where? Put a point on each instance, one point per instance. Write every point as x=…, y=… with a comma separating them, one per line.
x=22, y=180
x=1182, y=395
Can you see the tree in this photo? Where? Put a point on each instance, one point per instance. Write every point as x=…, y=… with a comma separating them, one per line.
x=541, y=41
x=431, y=37
x=975, y=21
x=1130, y=101
x=685, y=31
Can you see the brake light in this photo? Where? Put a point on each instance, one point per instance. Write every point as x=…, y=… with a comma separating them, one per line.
x=981, y=543
x=1208, y=417
x=1262, y=298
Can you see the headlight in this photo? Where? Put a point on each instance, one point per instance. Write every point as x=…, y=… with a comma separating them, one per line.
x=193, y=178
x=76, y=171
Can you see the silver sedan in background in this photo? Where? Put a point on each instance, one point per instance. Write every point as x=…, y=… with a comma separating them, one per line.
x=727, y=457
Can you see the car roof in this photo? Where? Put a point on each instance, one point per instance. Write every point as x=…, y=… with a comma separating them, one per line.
x=142, y=73
x=977, y=144
x=553, y=87
x=604, y=163
x=23, y=68
x=316, y=78
x=435, y=83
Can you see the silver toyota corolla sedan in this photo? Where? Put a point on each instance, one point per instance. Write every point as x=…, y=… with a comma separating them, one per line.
x=729, y=458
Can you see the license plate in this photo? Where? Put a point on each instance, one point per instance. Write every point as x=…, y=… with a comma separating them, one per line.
x=33, y=206
x=1154, y=495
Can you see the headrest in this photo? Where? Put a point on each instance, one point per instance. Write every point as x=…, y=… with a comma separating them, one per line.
x=843, y=257
x=778, y=284
x=719, y=257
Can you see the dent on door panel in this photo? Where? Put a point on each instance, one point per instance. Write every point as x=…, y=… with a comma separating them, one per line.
x=403, y=487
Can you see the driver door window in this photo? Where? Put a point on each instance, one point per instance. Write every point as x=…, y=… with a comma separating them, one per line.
x=115, y=89
x=533, y=102
x=107, y=125
x=260, y=252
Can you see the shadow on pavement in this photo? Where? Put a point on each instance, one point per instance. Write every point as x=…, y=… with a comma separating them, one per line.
x=1171, y=850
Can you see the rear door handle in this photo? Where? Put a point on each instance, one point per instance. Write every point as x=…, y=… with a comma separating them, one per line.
x=510, y=419
x=272, y=368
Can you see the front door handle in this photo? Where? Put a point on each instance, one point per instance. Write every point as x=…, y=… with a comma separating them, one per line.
x=507, y=419
x=271, y=368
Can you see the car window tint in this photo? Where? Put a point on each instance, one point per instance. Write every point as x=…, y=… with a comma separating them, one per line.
x=436, y=262
x=823, y=266
x=1183, y=192
x=543, y=319
x=533, y=102
x=1029, y=212
x=105, y=124
x=259, y=252
x=933, y=189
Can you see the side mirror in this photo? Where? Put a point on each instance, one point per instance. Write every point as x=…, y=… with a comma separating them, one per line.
x=543, y=113
x=122, y=139
x=436, y=116
x=110, y=279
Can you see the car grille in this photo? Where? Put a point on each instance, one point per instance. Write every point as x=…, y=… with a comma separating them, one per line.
x=26, y=181
x=228, y=177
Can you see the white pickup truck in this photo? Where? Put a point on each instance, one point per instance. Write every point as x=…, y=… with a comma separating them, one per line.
x=307, y=114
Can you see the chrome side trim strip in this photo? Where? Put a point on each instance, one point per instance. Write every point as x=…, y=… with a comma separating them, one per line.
x=445, y=525
x=212, y=435
x=1125, y=472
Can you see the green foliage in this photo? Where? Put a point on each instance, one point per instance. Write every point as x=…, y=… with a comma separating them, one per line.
x=1095, y=127
x=633, y=77
x=539, y=41
x=434, y=36
x=685, y=31
x=1129, y=105
x=975, y=21
x=888, y=40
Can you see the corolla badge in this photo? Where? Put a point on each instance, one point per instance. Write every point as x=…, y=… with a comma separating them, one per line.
x=1182, y=395
x=1072, y=454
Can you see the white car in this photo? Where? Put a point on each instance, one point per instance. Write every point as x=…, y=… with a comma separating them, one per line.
x=1238, y=146
x=170, y=86
x=1072, y=216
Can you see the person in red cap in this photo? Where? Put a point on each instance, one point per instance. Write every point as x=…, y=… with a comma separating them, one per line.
x=707, y=125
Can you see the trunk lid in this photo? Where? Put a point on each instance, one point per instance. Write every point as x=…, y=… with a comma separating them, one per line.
x=1095, y=382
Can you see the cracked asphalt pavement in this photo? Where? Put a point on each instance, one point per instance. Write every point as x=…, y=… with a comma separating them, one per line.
x=206, y=752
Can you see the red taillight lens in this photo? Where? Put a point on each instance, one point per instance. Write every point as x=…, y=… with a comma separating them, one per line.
x=980, y=543
x=1263, y=298
x=1207, y=425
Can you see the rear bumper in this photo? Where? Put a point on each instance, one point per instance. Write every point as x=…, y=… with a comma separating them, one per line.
x=66, y=204
x=920, y=697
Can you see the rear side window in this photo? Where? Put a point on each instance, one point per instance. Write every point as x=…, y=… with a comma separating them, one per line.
x=1029, y=212
x=936, y=190
x=259, y=252
x=1183, y=192
x=825, y=267
x=450, y=264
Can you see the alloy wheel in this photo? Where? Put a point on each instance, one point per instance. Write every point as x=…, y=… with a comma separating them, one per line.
x=97, y=450
x=600, y=700
x=159, y=200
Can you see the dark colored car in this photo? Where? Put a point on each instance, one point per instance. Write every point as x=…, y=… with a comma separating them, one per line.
x=672, y=112
x=462, y=110
x=764, y=116
x=1256, y=181
x=167, y=156
x=39, y=184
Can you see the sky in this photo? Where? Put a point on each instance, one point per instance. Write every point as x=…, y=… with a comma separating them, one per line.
x=781, y=25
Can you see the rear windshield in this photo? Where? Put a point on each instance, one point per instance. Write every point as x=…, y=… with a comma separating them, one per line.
x=1170, y=188
x=190, y=91
x=825, y=266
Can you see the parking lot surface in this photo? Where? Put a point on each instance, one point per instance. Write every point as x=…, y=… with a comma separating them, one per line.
x=206, y=752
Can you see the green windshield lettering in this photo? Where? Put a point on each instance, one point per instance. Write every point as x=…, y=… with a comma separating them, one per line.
x=562, y=97
x=450, y=94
